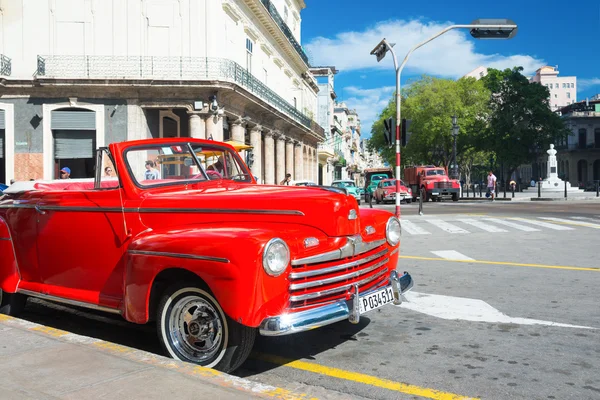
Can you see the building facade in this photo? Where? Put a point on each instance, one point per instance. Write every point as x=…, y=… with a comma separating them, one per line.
x=80, y=74
x=563, y=89
x=325, y=118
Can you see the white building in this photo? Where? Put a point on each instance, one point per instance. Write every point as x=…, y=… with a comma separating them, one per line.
x=563, y=90
x=477, y=73
x=79, y=74
x=348, y=147
x=325, y=118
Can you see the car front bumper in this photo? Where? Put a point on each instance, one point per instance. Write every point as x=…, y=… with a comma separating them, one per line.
x=286, y=324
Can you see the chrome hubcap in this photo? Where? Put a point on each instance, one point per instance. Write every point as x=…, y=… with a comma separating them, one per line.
x=196, y=329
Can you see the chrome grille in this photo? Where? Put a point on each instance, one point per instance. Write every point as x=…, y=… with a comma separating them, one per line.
x=443, y=185
x=325, y=282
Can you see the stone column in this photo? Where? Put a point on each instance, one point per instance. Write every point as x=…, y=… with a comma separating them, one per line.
x=289, y=156
x=238, y=130
x=298, y=165
x=197, y=125
x=280, y=170
x=269, y=158
x=256, y=143
x=214, y=127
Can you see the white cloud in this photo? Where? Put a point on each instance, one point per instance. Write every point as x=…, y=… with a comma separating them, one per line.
x=452, y=54
x=368, y=103
x=584, y=84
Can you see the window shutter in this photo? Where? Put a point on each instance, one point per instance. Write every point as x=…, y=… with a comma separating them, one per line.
x=73, y=120
x=69, y=144
x=1, y=144
x=2, y=119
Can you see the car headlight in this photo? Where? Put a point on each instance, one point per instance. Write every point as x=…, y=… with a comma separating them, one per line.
x=393, y=230
x=276, y=257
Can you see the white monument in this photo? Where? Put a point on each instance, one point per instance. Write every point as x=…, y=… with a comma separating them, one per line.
x=553, y=183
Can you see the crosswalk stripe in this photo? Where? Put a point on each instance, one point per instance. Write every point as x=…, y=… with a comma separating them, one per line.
x=586, y=219
x=567, y=221
x=413, y=229
x=544, y=224
x=512, y=225
x=482, y=225
x=446, y=226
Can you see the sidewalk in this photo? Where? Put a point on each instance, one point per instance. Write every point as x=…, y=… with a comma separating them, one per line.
x=38, y=362
x=531, y=194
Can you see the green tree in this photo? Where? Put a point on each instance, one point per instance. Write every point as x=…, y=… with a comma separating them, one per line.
x=521, y=126
x=430, y=103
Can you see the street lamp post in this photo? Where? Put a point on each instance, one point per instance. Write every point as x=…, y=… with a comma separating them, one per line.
x=479, y=29
x=454, y=135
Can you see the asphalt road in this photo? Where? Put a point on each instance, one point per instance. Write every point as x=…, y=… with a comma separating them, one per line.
x=505, y=300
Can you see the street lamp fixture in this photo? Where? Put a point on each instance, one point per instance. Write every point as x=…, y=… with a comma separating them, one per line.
x=479, y=29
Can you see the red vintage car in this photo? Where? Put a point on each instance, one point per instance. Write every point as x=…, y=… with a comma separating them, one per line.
x=184, y=237
x=386, y=191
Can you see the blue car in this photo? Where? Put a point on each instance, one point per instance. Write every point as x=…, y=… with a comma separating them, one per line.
x=3, y=187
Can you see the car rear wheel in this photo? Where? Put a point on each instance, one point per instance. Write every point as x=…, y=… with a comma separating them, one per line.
x=192, y=327
x=12, y=304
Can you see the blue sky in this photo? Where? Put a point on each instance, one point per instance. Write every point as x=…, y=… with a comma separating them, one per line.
x=342, y=33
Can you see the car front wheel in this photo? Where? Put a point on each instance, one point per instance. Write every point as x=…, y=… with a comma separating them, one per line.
x=192, y=327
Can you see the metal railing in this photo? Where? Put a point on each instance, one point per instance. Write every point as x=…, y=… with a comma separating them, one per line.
x=5, y=65
x=167, y=68
x=284, y=28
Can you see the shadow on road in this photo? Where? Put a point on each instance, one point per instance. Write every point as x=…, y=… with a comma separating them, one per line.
x=114, y=329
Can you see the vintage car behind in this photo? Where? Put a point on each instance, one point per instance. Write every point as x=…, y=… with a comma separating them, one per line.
x=386, y=191
x=170, y=242
x=350, y=186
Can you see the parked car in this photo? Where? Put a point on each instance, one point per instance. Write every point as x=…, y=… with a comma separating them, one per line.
x=302, y=183
x=350, y=186
x=386, y=191
x=209, y=256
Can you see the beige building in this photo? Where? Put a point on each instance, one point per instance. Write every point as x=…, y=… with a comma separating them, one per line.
x=563, y=89
x=76, y=75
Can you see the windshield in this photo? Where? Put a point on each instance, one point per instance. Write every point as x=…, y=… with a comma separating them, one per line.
x=436, y=172
x=344, y=184
x=389, y=183
x=378, y=177
x=154, y=165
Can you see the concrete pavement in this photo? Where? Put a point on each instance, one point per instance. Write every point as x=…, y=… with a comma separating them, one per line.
x=39, y=362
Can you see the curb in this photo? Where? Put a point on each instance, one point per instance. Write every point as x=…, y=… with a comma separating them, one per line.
x=212, y=376
x=567, y=199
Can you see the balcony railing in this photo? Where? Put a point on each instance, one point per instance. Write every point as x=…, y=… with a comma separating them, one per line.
x=284, y=28
x=578, y=146
x=167, y=68
x=5, y=65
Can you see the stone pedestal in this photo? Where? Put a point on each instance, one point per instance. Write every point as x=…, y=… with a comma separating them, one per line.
x=553, y=183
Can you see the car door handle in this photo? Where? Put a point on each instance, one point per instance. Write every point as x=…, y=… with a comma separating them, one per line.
x=39, y=210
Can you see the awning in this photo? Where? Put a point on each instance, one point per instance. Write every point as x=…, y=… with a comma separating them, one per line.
x=238, y=146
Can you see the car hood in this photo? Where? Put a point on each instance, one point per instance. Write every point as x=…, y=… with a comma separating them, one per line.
x=212, y=202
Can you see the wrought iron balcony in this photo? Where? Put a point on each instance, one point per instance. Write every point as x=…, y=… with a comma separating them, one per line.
x=5, y=65
x=284, y=28
x=167, y=68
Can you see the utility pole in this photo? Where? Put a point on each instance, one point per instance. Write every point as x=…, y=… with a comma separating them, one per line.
x=454, y=135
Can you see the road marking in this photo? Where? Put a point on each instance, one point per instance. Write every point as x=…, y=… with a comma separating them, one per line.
x=512, y=224
x=452, y=255
x=412, y=228
x=461, y=308
x=544, y=224
x=446, y=226
x=586, y=219
x=569, y=222
x=359, y=378
x=510, y=264
x=481, y=225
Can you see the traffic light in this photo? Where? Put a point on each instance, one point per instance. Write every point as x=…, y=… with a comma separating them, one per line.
x=389, y=133
x=250, y=159
x=403, y=132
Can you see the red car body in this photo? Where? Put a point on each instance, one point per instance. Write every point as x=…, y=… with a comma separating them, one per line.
x=118, y=248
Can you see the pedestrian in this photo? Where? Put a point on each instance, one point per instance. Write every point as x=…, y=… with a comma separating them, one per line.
x=286, y=180
x=65, y=173
x=107, y=171
x=491, y=184
x=151, y=172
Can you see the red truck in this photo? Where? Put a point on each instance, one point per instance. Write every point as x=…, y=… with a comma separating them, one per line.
x=433, y=180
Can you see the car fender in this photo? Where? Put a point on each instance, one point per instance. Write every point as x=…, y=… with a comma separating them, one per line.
x=9, y=270
x=228, y=258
